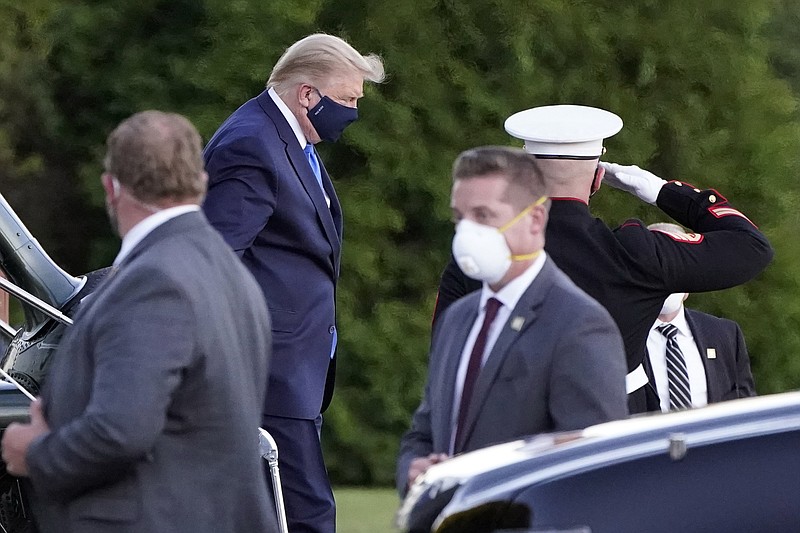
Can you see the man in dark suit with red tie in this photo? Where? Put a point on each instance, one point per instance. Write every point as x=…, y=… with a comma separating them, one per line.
x=274, y=203
x=695, y=358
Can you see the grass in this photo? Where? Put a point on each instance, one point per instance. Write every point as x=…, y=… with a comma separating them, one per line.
x=365, y=510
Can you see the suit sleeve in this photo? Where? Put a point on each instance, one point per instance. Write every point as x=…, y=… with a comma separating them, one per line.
x=726, y=249
x=453, y=285
x=587, y=386
x=745, y=385
x=242, y=190
x=416, y=442
x=139, y=354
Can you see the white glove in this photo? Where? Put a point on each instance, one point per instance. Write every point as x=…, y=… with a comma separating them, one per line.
x=634, y=180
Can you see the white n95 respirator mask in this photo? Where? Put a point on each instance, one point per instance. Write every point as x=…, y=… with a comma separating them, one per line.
x=482, y=252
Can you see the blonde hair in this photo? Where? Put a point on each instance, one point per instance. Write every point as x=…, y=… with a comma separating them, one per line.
x=518, y=168
x=316, y=57
x=157, y=156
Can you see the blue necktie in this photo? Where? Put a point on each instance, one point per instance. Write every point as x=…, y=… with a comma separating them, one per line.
x=311, y=155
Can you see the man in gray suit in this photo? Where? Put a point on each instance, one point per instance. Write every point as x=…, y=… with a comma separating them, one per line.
x=528, y=353
x=149, y=418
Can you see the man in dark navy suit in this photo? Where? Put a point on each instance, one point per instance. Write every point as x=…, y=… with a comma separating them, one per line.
x=710, y=349
x=274, y=203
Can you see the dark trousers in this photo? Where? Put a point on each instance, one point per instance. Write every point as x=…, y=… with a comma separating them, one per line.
x=307, y=493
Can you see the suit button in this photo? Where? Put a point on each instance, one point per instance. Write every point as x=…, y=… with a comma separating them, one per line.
x=712, y=198
x=331, y=329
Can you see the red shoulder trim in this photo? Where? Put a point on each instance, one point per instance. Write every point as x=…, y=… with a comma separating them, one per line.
x=721, y=211
x=688, y=238
x=631, y=223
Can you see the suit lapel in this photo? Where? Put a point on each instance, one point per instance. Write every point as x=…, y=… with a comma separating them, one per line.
x=296, y=157
x=522, y=317
x=651, y=380
x=335, y=211
x=450, y=363
x=710, y=366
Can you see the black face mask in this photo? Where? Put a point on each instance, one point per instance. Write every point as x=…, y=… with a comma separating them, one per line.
x=330, y=118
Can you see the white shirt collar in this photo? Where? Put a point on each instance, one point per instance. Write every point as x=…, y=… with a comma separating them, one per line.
x=679, y=322
x=513, y=291
x=289, y=116
x=144, y=227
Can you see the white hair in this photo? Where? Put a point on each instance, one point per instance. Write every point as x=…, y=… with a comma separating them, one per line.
x=316, y=57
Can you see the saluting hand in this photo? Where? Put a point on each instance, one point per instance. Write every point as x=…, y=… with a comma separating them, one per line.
x=645, y=185
x=17, y=439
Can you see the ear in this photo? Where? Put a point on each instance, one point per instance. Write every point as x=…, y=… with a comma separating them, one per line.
x=539, y=216
x=304, y=94
x=599, y=174
x=110, y=186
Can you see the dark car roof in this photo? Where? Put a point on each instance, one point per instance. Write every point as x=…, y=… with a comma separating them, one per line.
x=507, y=471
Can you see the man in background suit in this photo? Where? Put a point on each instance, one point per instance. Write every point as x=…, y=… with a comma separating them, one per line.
x=148, y=420
x=528, y=353
x=711, y=351
x=274, y=203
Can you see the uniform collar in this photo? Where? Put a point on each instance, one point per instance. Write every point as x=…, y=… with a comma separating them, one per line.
x=568, y=199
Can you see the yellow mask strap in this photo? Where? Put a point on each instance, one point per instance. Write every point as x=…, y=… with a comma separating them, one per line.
x=522, y=213
x=526, y=257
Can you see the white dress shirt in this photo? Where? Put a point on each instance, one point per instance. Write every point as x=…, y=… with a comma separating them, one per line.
x=657, y=352
x=144, y=227
x=508, y=297
x=295, y=125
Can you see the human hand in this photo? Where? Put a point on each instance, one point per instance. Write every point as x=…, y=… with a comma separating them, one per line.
x=421, y=464
x=637, y=181
x=18, y=437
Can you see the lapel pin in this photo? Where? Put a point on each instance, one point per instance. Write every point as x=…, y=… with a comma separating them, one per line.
x=711, y=353
x=517, y=322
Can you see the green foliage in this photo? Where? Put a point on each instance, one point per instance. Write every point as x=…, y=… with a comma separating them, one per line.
x=704, y=89
x=362, y=510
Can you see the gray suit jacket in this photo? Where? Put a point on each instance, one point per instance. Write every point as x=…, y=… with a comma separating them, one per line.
x=563, y=369
x=155, y=397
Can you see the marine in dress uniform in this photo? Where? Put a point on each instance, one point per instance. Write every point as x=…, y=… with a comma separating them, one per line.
x=630, y=269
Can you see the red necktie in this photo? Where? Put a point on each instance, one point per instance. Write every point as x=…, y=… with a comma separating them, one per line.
x=474, y=367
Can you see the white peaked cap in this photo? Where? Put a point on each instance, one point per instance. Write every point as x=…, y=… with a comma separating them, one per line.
x=564, y=131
